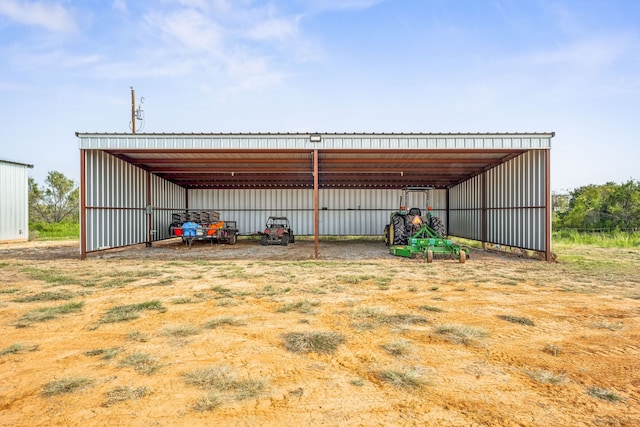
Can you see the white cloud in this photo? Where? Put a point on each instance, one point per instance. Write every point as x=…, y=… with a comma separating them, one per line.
x=275, y=29
x=51, y=16
x=120, y=6
x=189, y=28
x=342, y=4
x=593, y=53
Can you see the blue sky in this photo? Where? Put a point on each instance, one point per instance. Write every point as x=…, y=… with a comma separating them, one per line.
x=568, y=66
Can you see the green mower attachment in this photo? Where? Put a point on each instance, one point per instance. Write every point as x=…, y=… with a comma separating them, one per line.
x=427, y=243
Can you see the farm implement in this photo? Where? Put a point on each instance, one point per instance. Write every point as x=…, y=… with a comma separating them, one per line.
x=427, y=243
x=409, y=234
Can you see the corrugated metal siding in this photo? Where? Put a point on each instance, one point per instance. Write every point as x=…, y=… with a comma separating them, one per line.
x=166, y=198
x=342, y=212
x=515, y=204
x=14, y=202
x=116, y=201
x=465, y=209
x=302, y=141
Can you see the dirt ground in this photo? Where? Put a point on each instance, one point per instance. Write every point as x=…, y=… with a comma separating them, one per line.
x=497, y=341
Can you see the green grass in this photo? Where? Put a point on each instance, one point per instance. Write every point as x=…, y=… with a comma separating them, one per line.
x=51, y=276
x=47, y=296
x=613, y=239
x=48, y=313
x=123, y=313
x=66, y=385
x=55, y=231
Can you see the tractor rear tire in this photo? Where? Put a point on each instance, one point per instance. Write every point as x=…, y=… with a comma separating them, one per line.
x=436, y=225
x=399, y=230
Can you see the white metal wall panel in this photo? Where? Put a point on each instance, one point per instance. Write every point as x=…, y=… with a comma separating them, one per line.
x=14, y=201
x=342, y=211
x=465, y=209
x=116, y=203
x=516, y=212
x=166, y=198
x=515, y=203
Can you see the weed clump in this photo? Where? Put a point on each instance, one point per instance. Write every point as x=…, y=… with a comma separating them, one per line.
x=460, y=334
x=123, y=313
x=123, y=393
x=313, y=342
x=66, y=385
x=516, y=319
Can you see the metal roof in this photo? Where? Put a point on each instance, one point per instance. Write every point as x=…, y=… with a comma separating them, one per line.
x=15, y=163
x=286, y=160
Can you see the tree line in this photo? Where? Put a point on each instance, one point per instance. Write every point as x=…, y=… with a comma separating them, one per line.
x=606, y=206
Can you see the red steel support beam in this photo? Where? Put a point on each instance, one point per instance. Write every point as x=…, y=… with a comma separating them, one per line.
x=547, y=231
x=483, y=183
x=83, y=205
x=149, y=212
x=316, y=203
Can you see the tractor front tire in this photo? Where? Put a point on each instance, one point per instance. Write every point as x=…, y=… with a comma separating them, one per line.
x=387, y=241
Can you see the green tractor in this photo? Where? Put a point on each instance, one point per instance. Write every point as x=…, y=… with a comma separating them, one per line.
x=410, y=234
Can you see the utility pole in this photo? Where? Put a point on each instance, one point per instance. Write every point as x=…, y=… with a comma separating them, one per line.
x=133, y=110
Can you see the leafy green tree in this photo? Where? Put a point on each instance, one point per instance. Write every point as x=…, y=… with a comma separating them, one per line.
x=56, y=201
x=609, y=205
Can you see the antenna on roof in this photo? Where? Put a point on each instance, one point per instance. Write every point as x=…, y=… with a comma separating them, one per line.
x=136, y=114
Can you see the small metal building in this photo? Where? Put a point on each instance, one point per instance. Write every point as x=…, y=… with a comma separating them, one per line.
x=14, y=201
x=490, y=187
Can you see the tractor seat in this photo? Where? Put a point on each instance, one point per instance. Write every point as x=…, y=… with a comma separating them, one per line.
x=415, y=211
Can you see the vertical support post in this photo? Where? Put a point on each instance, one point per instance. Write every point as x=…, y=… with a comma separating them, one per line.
x=483, y=183
x=149, y=212
x=83, y=204
x=316, y=203
x=547, y=206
